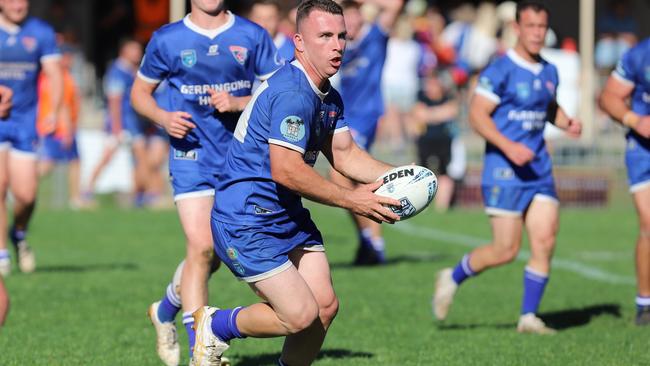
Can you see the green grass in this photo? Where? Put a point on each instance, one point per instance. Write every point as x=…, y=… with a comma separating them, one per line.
x=98, y=272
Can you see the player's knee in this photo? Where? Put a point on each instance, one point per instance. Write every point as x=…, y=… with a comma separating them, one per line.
x=200, y=251
x=301, y=317
x=328, y=311
x=544, y=243
x=507, y=253
x=24, y=196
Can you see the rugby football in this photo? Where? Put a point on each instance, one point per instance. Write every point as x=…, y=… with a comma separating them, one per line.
x=414, y=186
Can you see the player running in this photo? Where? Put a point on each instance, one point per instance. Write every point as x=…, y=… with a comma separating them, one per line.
x=631, y=78
x=361, y=91
x=210, y=59
x=5, y=106
x=261, y=230
x=513, y=100
x=27, y=45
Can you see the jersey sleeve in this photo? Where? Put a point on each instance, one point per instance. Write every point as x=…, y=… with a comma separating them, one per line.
x=340, y=125
x=267, y=58
x=491, y=83
x=114, y=85
x=48, y=46
x=291, y=116
x=625, y=70
x=153, y=68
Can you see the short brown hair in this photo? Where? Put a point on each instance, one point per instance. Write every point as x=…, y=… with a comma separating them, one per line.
x=306, y=7
x=535, y=6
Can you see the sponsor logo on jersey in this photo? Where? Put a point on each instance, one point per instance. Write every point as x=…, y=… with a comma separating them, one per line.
x=232, y=253
x=293, y=128
x=185, y=155
x=399, y=174
x=503, y=174
x=188, y=58
x=261, y=210
x=494, y=196
x=332, y=116
x=239, y=53
x=29, y=43
x=238, y=267
x=523, y=90
x=405, y=210
x=550, y=86
x=213, y=50
x=537, y=84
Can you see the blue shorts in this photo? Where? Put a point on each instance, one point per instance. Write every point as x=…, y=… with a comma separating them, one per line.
x=637, y=160
x=189, y=177
x=52, y=149
x=514, y=201
x=19, y=133
x=363, y=131
x=254, y=253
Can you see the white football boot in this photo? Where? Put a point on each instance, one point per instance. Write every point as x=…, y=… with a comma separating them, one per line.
x=167, y=345
x=444, y=293
x=26, y=257
x=530, y=323
x=208, y=348
x=5, y=266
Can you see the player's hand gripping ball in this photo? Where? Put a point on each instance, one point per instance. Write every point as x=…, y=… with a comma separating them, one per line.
x=414, y=186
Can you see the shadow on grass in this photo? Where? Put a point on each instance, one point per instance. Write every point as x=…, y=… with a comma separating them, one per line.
x=562, y=319
x=99, y=267
x=404, y=258
x=271, y=359
x=570, y=318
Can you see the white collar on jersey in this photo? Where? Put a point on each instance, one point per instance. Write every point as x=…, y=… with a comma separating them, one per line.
x=534, y=67
x=280, y=39
x=9, y=27
x=320, y=94
x=210, y=33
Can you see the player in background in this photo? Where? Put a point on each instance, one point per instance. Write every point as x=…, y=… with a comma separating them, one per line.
x=261, y=230
x=5, y=107
x=631, y=80
x=515, y=97
x=28, y=45
x=60, y=145
x=210, y=59
x=267, y=13
x=361, y=91
x=123, y=124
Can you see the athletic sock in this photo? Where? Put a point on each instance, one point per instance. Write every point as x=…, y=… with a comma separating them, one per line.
x=4, y=254
x=224, y=324
x=462, y=271
x=534, y=285
x=188, y=322
x=642, y=302
x=17, y=236
x=170, y=305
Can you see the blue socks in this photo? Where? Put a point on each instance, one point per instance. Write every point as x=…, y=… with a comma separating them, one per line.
x=17, y=236
x=534, y=285
x=642, y=302
x=188, y=322
x=224, y=324
x=462, y=271
x=170, y=305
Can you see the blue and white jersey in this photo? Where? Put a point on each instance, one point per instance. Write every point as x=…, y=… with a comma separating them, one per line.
x=285, y=47
x=361, y=69
x=522, y=91
x=634, y=69
x=118, y=82
x=194, y=60
x=22, y=50
x=286, y=110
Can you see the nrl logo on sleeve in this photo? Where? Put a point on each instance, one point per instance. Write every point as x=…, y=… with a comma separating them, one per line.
x=239, y=53
x=188, y=57
x=293, y=128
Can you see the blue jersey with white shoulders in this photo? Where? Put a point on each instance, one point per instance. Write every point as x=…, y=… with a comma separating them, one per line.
x=522, y=91
x=634, y=69
x=286, y=110
x=194, y=60
x=118, y=82
x=361, y=69
x=22, y=50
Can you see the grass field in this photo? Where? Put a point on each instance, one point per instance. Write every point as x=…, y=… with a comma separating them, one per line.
x=98, y=272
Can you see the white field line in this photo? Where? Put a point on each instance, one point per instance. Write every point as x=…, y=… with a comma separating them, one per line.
x=469, y=241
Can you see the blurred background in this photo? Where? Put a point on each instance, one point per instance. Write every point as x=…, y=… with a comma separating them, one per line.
x=449, y=39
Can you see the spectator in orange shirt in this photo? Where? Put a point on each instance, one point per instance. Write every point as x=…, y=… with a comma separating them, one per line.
x=58, y=141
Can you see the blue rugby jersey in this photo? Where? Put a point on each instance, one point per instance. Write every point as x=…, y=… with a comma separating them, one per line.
x=118, y=81
x=22, y=49
x=194, y=60
x=522, y=91
x=286, y=110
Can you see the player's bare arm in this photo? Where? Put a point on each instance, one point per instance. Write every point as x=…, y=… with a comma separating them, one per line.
x=389, y=12
x=54, y=72
x=176, y=123
x=289, y=169
x=5, y=100
x=613, y=100
x=480, y=112
x=423, y=114
x=225, y=102
x=572, y=126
